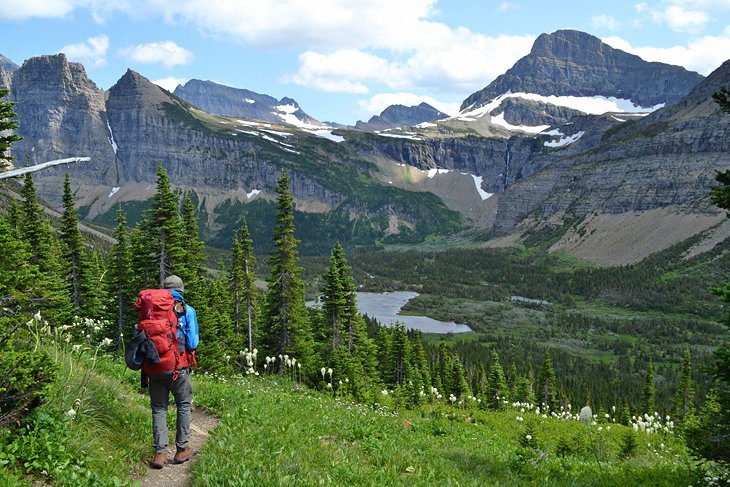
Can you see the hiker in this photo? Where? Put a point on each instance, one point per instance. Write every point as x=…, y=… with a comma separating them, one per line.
x=163, y=315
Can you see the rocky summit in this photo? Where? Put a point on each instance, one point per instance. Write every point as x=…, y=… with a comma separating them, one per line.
x=236, y=102
x=401, y=116
x=570, y=71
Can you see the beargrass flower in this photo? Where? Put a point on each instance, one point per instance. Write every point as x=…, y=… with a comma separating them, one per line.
x=323, y=371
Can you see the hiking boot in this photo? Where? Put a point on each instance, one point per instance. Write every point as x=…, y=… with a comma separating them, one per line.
x=159, y=461
x=182, y=455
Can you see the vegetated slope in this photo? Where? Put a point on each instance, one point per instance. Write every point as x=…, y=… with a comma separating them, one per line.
x=274, y=431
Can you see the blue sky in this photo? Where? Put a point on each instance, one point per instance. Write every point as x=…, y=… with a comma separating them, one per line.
x=344, y=60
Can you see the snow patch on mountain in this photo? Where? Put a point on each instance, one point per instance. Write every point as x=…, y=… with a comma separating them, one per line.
x=478, y=183
x=594, y=105
x=327, y=134
x=499, y=120
x=563, y=140
x=111, y=137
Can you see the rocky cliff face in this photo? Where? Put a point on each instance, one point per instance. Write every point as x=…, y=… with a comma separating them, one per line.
x=668, y=158
x=401, y=116
x=61, y=114
x=235, y=102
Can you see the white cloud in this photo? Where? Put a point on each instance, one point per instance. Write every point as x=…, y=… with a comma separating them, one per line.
x=460, y=61
x=605, y=22
x=377, y=103
x=344, y=71
x=681, y=19
x=91, y=52
x=167, y=53
x=23, y=9
x=55, y=9
x=704, y=54
x=641, y=7
x=506, y=6
x=170, y=83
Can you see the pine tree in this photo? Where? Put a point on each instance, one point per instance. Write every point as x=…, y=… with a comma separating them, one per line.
x=547, y=387
x=648, y=398
x=399, y=356
x=7, y=125
x=162, y=230
x=286, y=319
x=420, y=359
x=243, y=284
x=119, y=278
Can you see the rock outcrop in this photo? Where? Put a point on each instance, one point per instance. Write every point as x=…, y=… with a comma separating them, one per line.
x=236, y=102
x=401, y=116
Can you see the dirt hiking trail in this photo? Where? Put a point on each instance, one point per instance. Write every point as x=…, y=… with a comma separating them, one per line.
x=201, y=422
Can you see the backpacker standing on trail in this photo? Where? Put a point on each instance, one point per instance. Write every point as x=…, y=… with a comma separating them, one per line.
x=171, y=326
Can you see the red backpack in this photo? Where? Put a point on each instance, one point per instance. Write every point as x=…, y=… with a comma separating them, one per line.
x=158, y=320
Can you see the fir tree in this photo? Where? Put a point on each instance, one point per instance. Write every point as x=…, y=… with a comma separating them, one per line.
x=35, y=229
x=419, y=358
x=286, y=319
x=457, y=384
x=686, y=393
x=399, y=356
x=119, y=278
x=334, y=300
x=547, y=387
x=162, y=230
x=193, y=264
x=243, y=284
x=7, y=125
x=648, y=397
x=496, y=384
x=74, y=254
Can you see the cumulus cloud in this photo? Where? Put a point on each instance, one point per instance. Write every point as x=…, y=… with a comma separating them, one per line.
x=377, y=103
x=703, y=54
x=460, y=62
x=605, y=22
x=91, y=52
x=506, y=6
x=167, y=53
x=170, y=83
x=681, y=19
x=54, y=9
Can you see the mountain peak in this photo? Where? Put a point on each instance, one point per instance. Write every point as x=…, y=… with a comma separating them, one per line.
x=574, y=63
x=401, y=115
x=7, y=65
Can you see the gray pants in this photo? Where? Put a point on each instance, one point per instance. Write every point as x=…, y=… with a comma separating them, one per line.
x=160, y=388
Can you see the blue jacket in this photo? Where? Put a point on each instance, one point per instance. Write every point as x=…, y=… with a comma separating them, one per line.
x=187, y=323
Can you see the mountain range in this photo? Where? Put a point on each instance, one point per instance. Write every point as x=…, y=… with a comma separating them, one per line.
x=615, y=151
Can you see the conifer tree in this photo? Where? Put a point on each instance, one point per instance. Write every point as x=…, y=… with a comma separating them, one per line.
x=35, y=229
x=547, y=387
x=496, y=384
x=457, y=381
x=193, y=264
x=74, y=254
x=7, y=125
x=162, y=230
x=399, y=356
x=648, y=397
x=419, y=358
x=686, y=392
x=287, y=327
x=119, y=278
x=242, y=280
x=334, y=300
x=143, y=268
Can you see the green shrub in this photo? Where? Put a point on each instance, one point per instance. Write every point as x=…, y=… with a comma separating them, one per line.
x=25, y=378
